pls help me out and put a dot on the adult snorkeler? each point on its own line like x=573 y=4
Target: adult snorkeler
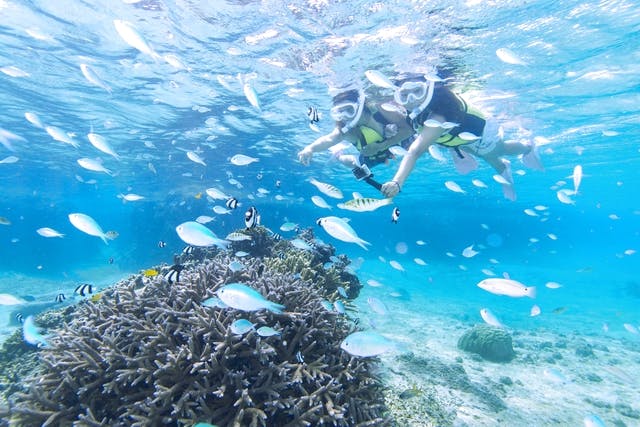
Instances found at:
x=371 y=130
x=439 y=116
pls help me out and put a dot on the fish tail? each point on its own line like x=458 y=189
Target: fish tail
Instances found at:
x=104 y=239
x=362 y=244
x=275 y=308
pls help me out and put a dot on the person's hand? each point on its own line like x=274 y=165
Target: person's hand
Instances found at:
x=390 y=189
x=304 y=156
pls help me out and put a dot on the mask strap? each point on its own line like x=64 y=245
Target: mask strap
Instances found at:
x=416 y=112
x=346 y=128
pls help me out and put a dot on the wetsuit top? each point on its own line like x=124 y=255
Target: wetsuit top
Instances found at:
x=454 y=109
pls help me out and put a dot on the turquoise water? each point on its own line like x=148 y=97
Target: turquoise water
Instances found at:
x=576 y=90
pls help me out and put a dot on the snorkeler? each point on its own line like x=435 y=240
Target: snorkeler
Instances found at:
x=438 y=116
x=370 y=129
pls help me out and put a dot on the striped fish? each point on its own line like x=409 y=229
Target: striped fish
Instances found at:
x=327 y=189
x=364 y=204
x=237 y=237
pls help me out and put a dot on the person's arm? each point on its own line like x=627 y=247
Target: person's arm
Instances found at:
x=426 y=138
x=320 y=144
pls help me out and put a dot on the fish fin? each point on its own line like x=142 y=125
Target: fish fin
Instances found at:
x=104 y=239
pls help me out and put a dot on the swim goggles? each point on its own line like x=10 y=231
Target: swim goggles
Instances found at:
x=413 y=91
x=348 y=112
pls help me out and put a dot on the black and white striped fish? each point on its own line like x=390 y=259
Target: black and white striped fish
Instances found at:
x=251 y=217
x=60 y=297
x=83 y=289
x=188 y=250
x=173 y=275
x=232 y=203
x=162 y=244
x=19 y=318
x=395 y=214
x=314 y=116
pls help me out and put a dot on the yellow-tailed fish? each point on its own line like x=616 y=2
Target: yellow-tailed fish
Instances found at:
x=150 y=272
x=364 y=204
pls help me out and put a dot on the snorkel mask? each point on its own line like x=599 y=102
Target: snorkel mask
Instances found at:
x=411 y=91
x=348 y=111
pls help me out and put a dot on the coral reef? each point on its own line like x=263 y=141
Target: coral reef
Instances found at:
x=491 y=343
x=149 y=353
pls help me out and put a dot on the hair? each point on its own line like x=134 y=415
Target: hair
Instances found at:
x=348 y=95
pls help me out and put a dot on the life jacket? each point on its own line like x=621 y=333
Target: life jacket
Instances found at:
x=472 y=121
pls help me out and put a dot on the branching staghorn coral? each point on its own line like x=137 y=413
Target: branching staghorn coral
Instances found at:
x=152 y=354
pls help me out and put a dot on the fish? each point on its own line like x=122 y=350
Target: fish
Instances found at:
x=267 y=331
x=490 y=318
x=555 y=376
x=320 y=202
x=468 y=136
x=9 y=160
x=327 y=189
x=339 y=229
x=366 y=344
x=242 y=160
x=395 y=214
x=196 y=234
x=419 y=261
x=453 y=186
x=535 y=311
x=236 y=266
x=508 y=287
x=99 y=142
x=237 y=237
x=92 y=77
x=378 y=79
x=194 y=157
x=251 y=217
x=559 y=310
x=478 y=183
x=48 y=232
x=150 y=272
x=216 y=194
x=87 y=225
x=130 y=197
x=8 y=299
x=19 y=318
x=231 y=203
x=564 y=196
x=94 y=165
x=435 y=152
x=553 y=285
x=398 y=151
x=630 y=328
x=241 y=254
x=251 y=95
x=469 y=252
x=130 y=35
x=221 y=210
x=339 y=307
x=204 y=219
x=289 y=226
x=161 y=243
x=342 y=291
x=507 y=56
x=395 y=264
x=242 y=297
x=96 y=297
x=111 y=235
x=31 y=333
x=60 y=136
x=410 y=392
x=312 y=113
x=364 y=204
x=33 y=119
x=278 y=183
x=577 y=178
x=60 y=298
x=301 y=244
x=83 y=289
x=241 y=326
x=377 y=306
x=530 y=212
x=173 y=275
